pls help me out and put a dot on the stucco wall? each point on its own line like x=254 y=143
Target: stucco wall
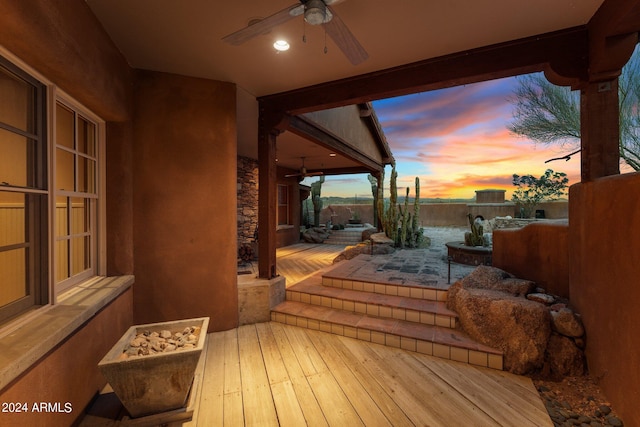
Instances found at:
x=185 y=200
x=119 y=195
x=70 y=372
x=604 y=239
x=66 y=44
x=538 y=252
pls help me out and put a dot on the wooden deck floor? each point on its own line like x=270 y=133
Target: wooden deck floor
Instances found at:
x=270 y=374
x=296 y=262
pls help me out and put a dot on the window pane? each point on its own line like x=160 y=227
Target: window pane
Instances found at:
x=62 y=260
x=12 y=219
x=80 y=254
x=62 y=217
x=17 y=106
x=86 y=137
x=64 y=127
x=282 y=194
x=13 y=285
x=17 y=161
x=79 y=215
x=64 y=170
x=86 y=175
x=23 y=215
x=283 y=213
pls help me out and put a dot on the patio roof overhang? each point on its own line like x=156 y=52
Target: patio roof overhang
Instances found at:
x=588 y=57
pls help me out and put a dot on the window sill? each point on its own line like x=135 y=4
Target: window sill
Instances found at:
x=284 y=227
x=48 y=327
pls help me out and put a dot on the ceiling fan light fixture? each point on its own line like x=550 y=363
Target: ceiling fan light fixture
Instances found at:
x=316 y=13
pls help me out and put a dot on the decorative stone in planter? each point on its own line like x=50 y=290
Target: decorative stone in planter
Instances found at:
x=154 y=383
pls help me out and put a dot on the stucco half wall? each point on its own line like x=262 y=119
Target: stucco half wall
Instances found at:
x=538 y=252
x=604 y=238
x=68 y=376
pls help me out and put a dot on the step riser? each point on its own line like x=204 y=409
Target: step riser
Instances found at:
x=443 y=351
x=372 y=309
x=429 y=294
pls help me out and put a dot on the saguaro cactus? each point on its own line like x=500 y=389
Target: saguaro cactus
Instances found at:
x=391 y=214
x=374 y=191
x=316 y=187
x=398 y=223
x=405 y=218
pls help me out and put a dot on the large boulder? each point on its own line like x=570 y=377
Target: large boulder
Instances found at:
x=518 y=327
x=504 y=312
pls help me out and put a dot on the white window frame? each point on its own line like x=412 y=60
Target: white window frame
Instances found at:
x=98 y=250
x=54 y=95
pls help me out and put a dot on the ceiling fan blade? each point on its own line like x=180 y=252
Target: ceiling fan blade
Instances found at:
x=263 y=26
x=345 y=40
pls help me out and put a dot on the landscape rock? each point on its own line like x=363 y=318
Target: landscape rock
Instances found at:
x=542 y=298
x=380 y=239
x=150 y=343
x=382 y=249
x=514 y=325
x=315 y=235
x=567 y=323
x=351 y=252
x=366 y=234
x=563 y=358
x=485 y=277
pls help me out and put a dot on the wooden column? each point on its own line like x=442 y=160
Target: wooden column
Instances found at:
x=267 y=201
x=600 y=130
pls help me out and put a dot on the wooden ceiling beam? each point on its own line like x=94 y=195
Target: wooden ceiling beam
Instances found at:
x=565 y=52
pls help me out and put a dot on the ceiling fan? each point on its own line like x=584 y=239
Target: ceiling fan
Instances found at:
x=316 y=12
x=302 y=172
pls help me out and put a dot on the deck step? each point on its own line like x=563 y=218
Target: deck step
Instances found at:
x=436 y=341
x=428 y=312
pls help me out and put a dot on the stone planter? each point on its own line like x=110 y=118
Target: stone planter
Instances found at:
x=153 y=383
x=469 y=255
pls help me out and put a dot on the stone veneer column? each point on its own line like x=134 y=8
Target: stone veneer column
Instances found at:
x=247 y=199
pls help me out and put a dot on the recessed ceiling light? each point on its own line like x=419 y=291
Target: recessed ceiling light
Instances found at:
x=281 y=45
x=332 y=154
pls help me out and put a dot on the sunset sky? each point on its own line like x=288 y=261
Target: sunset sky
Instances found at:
x=457 y=142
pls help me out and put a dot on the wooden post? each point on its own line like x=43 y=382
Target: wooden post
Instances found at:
x=600 y=129
x=267 y=200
